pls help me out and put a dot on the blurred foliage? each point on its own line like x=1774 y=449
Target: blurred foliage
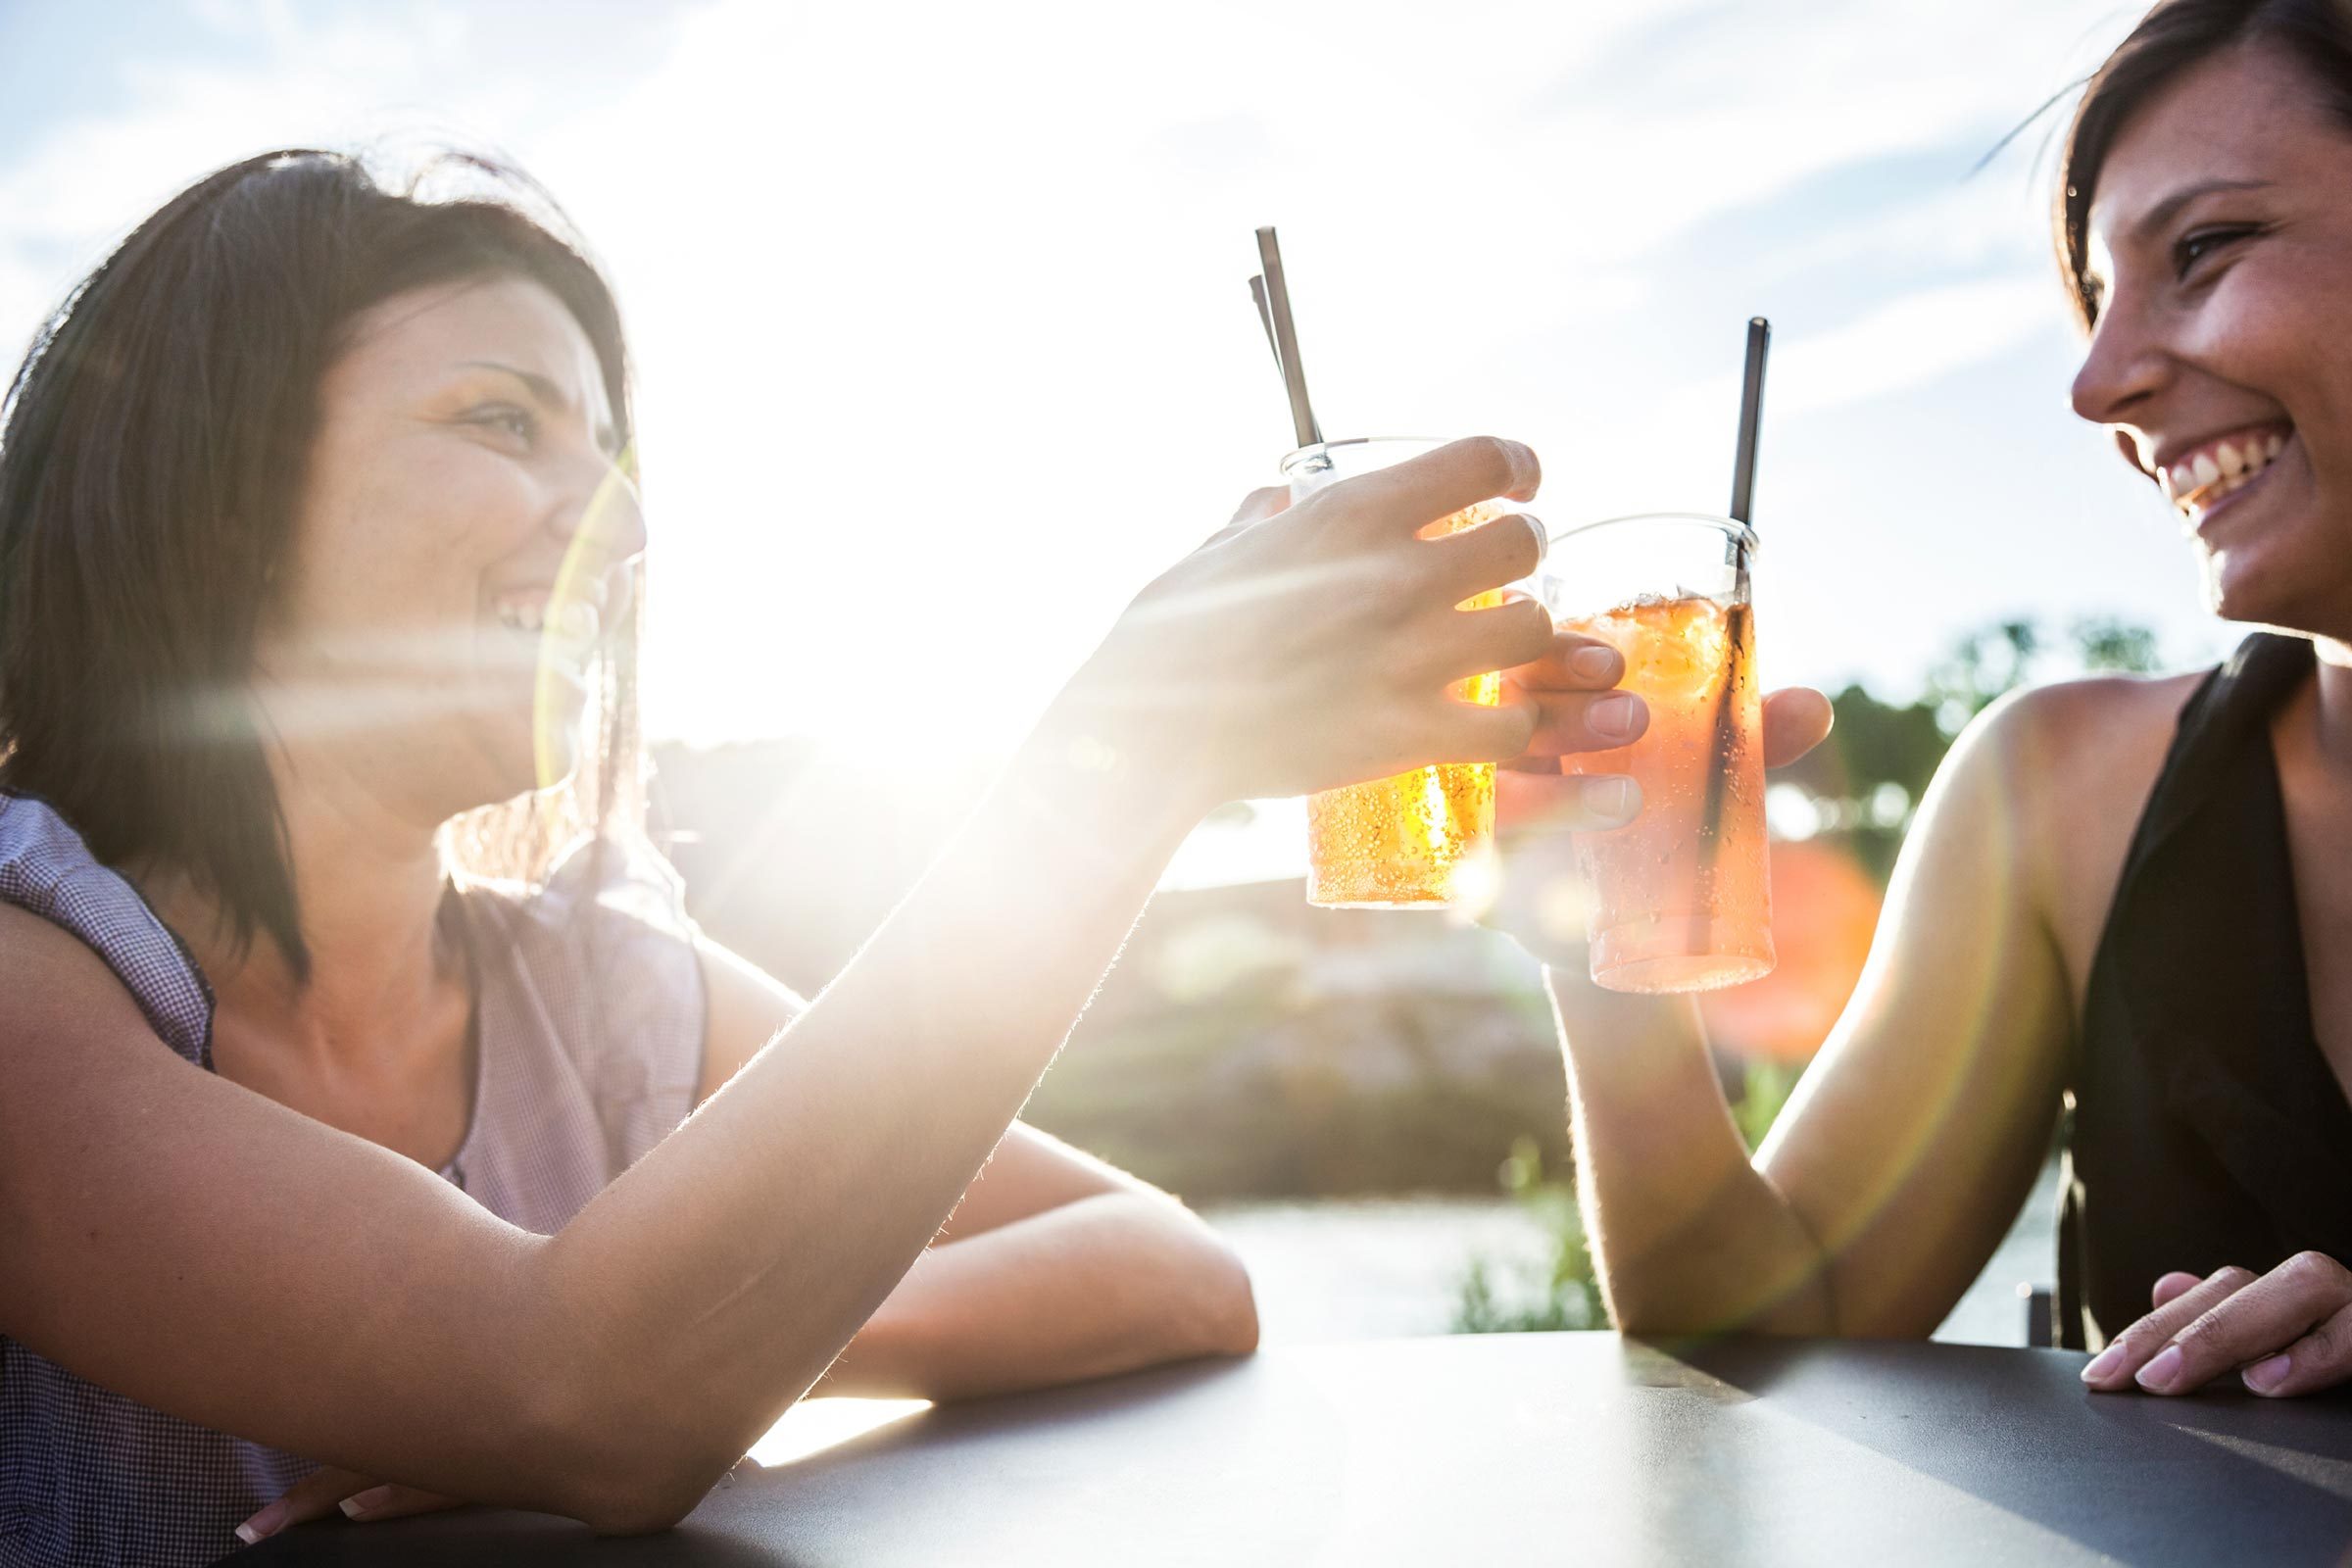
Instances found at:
x=1496 y=1298
x=1867 y=782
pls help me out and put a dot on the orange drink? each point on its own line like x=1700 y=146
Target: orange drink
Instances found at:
x=1678 y=895
x=1401 y=843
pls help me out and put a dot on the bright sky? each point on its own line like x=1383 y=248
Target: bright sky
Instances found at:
x=940 y=311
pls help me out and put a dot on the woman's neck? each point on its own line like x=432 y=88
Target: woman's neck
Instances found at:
x=368 y=884
x=2333 y=712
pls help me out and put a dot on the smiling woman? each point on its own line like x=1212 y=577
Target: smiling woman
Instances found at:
x=2124 y=914
x=349 y=1018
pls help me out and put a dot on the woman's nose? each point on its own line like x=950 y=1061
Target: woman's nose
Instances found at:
x=607 y=518
x=2125 y=370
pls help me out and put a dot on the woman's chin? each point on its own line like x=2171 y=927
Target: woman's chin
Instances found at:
x=2304 y=601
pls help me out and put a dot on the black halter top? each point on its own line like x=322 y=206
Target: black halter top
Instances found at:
x=2206 y=1127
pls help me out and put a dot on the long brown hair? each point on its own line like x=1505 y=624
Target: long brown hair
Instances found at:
x=152 y=448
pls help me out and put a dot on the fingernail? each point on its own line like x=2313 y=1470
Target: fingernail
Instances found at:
x=2104 y=1362
x=1594 y=663
x=2264 y=1375
x=360 y=1504
x=2158 y=1375
x=262 y=1524
x=1542 y=536
x=1614 y=716
x=1611 y=800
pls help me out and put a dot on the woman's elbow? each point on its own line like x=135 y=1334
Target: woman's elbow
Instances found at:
x=1227 y=1312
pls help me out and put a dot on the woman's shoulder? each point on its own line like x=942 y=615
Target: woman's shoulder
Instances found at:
x=2099 y=733
x=49 y=879
x=2074 y=764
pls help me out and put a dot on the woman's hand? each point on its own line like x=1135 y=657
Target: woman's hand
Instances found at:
x=2285 y=1333
x=1312 y=645
x=358 y=1498
x=1542 y=897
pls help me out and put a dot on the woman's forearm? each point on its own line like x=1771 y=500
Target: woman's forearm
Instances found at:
x=1687 y=1236
x=1102 y=1286
x=714 y=1283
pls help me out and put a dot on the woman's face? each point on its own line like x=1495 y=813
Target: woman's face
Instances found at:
x=2221 y=256
x=459 y=545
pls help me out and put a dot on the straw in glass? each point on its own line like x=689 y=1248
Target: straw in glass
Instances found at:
x=1744 y=499
x=1286 y=341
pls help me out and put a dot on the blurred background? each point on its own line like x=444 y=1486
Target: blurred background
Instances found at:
x=946 y=349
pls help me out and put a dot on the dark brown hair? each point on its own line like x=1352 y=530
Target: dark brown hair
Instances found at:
x=2171 y=38
x=151 y=451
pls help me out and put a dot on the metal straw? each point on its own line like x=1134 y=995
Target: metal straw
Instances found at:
x=1286 y=341
x=1751 y=415
x=1265 y=318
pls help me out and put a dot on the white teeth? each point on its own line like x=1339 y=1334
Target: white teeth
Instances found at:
x=2220 y=471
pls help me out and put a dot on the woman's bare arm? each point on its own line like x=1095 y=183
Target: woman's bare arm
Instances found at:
x=199 y=1249
x=1912 y=1138
x=610 y=1372
x=1053 y=1268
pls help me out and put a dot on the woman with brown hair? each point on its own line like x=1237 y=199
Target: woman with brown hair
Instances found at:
x=2126 y=910
x=346 y=1015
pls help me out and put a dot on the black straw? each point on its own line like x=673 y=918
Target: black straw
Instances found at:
x=1286 y=341
x=1736 y=669
x=1751 y=415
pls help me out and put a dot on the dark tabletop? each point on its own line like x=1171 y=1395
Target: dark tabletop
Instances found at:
x=1513 y=1449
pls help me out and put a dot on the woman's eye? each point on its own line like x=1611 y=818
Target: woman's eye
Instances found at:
x=2190 y=249
x=515 y=422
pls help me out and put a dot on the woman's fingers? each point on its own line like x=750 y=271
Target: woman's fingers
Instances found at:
x=329 y=1490
x=1477 y=642
x=1795 y=722
x=1530 y=804
x=2320 y=1360
x=1465 y=732
x=2253 y=1323
x=1479 y=560
x=314 y=1497
x=2169 y=1286
x=394 y=1503
x=1586 y=722
x=1571 y=663
x=2137 y=1346
x=2144 y=1341
x=1409 y=496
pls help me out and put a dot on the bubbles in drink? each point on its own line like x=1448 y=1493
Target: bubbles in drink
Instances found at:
x=1681 y=902
x=1410 y=839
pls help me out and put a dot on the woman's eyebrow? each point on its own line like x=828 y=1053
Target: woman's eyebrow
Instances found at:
x=2161 y=216
x=547 y=393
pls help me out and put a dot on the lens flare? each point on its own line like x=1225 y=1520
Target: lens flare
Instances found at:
x=558 y=716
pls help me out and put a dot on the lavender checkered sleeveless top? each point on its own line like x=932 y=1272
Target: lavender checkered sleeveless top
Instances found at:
x=589 y=1027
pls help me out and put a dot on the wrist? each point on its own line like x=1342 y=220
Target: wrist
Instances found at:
x=1086 y=786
